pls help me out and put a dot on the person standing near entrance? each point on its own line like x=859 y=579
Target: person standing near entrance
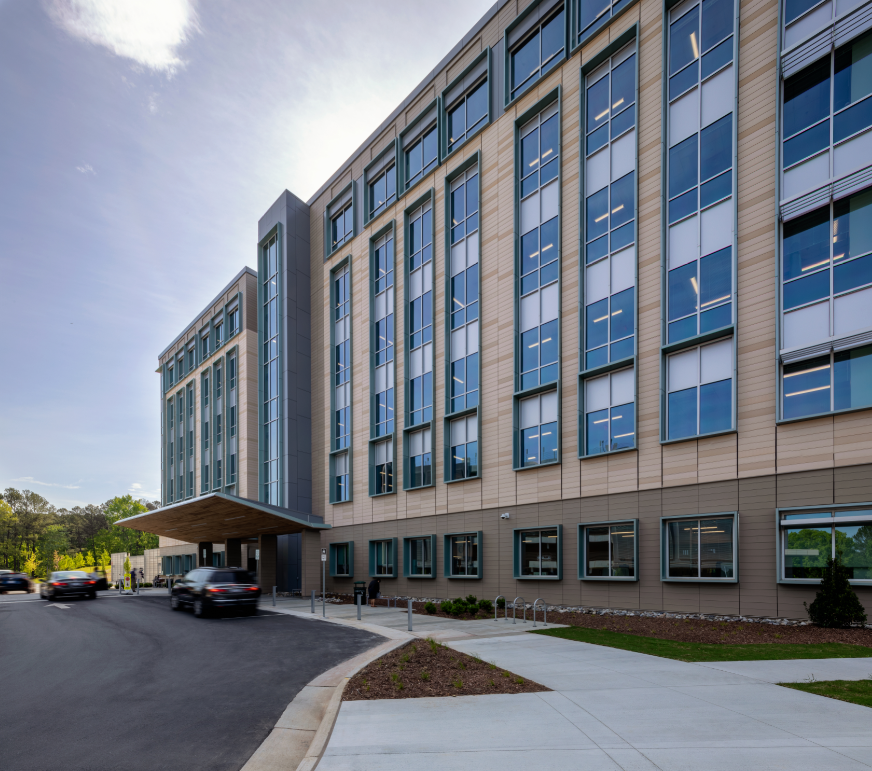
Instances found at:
x=374 y=588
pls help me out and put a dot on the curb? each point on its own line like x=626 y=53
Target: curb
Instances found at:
x=300 y=737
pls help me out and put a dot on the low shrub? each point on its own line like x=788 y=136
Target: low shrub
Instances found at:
x=429 y=607
x=486 y=605
x=836 y=604
x=471 y=599
x=501 y=603
x=447 y=607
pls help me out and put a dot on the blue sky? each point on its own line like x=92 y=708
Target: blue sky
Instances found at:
x=141 y=142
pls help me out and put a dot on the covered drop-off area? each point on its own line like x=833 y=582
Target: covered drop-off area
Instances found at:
x=282 y=546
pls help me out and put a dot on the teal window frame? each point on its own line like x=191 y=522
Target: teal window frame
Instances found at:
x=630 y=35
x=578 y=38
x=340 y=200
x=415 y=129
x=231 y=430
x=380 y=163
x=473 y=75
x=516 y=552
x=582 y=550
x=334 y=451
x=446 y=554
x=389 y=227
x=555 y=95
x=393 y=558
x=333 y=547
x=474 y=160
x=543 y=11
x=407 y=557
x=664 y=549
x=838 y=514
x=190 y=442
x=206 y=402
x=277 y=233
x=428 y=197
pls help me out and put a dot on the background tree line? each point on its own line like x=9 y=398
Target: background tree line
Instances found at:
x=37 y=537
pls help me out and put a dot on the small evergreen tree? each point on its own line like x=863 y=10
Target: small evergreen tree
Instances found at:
x=836 y=604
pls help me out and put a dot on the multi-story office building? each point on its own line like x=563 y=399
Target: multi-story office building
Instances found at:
x=588 y=316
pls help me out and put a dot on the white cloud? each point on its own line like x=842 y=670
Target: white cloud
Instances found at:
x=32 y=481
x=149 y=32
x=86 y=168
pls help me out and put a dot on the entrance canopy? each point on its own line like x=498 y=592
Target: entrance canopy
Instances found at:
x=218 y=516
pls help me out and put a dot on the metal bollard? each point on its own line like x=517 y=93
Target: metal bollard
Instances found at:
x=274 y=595
x=496 y=608
x=358 y=607
x=410 y=614
x=313 y=601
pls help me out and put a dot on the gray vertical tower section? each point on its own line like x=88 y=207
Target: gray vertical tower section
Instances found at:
x=295 y=332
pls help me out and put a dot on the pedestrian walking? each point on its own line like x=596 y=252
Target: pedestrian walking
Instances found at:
x=374 y=590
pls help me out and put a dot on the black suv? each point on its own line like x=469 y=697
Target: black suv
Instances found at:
x=209 y=589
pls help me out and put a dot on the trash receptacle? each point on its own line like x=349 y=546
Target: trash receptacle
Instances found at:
x=360 y=590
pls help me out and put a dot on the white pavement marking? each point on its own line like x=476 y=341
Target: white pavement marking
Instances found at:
x=57 y=605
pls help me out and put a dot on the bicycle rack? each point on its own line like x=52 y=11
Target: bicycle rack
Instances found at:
x=544 y=610
x=496 y=609
x=514 y=607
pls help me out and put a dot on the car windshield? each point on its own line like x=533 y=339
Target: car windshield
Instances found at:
x=230 y=577
x=71 y=574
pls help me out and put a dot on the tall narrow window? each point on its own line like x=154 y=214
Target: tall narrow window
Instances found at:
x=270 y=407
x=699 y=383
x=463 y=298
x=171 y=453
x=171 y=374
x=190 y=443
x=341 y=219
x=384 y=467
x=204 y=347
x=232 y=322
x=421 y=152
x=341 y=489
x=192 y=355
x=420 y=330
x=219 y=334
x=383 y=287
x=610 y=228
x=382 y=187
x=468 y=114
x=539 y=253
x=701 y=207
x=610 y=412
x=420 y=458
x=341 y=298
x=180 y=441
x=463 y=435
x=538 y=416
x=536 y=54
x=231 y=420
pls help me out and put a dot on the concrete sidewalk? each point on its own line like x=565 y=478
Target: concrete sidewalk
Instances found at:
x=612 y=709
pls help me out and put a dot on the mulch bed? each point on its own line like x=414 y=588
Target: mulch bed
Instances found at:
x=428 y=668
x=702 y=631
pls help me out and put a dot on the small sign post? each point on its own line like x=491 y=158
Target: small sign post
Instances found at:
x=323 y=582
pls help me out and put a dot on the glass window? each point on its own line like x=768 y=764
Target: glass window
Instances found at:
x=700 y=390
x=384 y=562
x=538 y=553
x=806 y=548
x=537 y=54
x=463 y=297
x=341 y=226
x=610 y=412
x=270 y=374
x=341 y=561
x=191 y=359
x=233 y=322
x=382 y=190
x=464 y=554
x=342 y=359
x=463 y=436
x=539 y=287
x=420 y=459
x=610 y=551
x=700 y=548
x=468 y=115
x=384 y=467
x=204 y=347
x=421 y=557
x=538 y=420
x=840 y=380
x=219 y=334
x=419 y=362
x=341 y=487
x=422 y=156
x=383 y=330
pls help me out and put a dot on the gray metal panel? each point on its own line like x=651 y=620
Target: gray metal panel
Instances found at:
x=496 y=87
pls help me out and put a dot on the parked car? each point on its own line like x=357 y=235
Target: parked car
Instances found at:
x=15 y=582
x=210 y=589
x=68 y=583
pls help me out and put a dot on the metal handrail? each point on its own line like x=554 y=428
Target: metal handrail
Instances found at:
x=514 y=607
x=544 y=610
x=496 y=609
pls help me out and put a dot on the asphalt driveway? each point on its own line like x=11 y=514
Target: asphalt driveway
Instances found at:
x=126 y=683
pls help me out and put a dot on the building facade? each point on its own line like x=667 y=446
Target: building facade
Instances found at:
x=588 y=317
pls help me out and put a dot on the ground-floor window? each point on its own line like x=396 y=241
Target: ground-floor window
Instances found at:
x=383 y=558
x=463 y=551
x=420 y=557
x=809 y=539
x=341 y=563
x=701 y=548
x=539 y=553
x=610 y=551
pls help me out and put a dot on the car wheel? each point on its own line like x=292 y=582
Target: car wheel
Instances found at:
x=174 y=602
x=199 y=609
x=50 y=597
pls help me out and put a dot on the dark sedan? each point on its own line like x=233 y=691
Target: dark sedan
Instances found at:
x=68 y=583
x=15 y=582
x=209 y=589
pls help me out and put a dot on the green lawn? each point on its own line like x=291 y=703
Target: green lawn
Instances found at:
x=855 y=691
x=685 y=651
